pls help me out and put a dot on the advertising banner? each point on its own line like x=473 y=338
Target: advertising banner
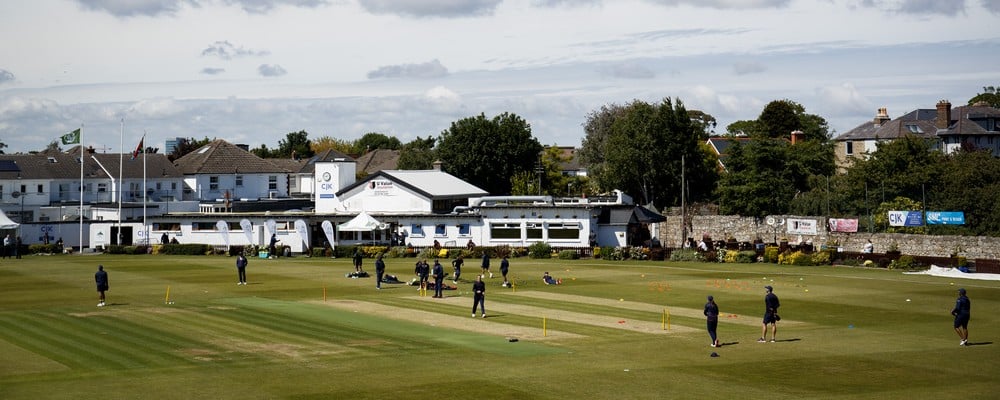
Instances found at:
x=906 y=218
x=223 y=226
x=843 y=225
x=801 y=226
x=945 y=218
x=247 y=228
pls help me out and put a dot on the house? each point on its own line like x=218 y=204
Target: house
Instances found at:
x=223 y=172
x=975 y=127
x=720 y=146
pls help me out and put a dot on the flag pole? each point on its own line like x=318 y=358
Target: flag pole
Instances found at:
x=80 y=213
x=121 y=163
x=145 y=227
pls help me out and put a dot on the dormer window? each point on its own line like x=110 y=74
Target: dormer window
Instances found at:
x=914 y=128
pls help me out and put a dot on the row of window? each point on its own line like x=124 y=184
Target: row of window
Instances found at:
x=213 y=182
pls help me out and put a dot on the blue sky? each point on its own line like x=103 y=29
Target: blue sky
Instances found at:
x=250 y=71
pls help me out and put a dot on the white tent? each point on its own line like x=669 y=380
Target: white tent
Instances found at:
x=362 y=223
x=6 y=223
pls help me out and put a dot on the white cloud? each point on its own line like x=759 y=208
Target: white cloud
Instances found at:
x=843 y=99
x=724 y=4
x=6 y=76
x=430 y=69
x=438 y=8
x=271 y=70
x=155 y=8
x=746 y=68
x=264 y=6
x=628 y=70
x=212 y=71
x=227 y=51
x=992 y=6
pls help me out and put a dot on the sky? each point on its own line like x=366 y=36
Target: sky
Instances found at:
x=251 y=71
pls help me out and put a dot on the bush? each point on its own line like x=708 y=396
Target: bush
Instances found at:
x=569 y=255
x=796 y=258
x=686 y=255
x=728 y=256
x=540 y=250
x=657 y=254
x=607 y=252
x=771 y=254
x=186 y=249
x=638 y=253
x=904 y=262
x=44 y=248
x=821 y=258
x=318 y=252
x=746 y=256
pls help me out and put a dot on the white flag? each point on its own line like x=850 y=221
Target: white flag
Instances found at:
x=303 y=230
x=247 y=229
x=223 y=226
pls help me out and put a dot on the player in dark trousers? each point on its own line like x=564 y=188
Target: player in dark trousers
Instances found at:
x=101 y=278
x=457 y=265
x=438 y=273
x=422 y=270
x=357 y=259
x=379 y=271
x=712 y=317
x=479 y=296
x=771 y=317
x=241 y=269
x=504 y=267
x=486 y=264
x=962 y=313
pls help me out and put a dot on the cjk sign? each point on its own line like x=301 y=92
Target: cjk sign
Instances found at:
x=906 y=218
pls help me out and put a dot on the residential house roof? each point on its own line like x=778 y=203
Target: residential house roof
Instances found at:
x=721 y=145
x=973 y=120
x=54 y=165
x=918 y=122
x=222 y=157
x=378 y=160
x=308 y=165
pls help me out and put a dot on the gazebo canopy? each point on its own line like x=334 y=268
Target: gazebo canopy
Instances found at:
x=362 y=223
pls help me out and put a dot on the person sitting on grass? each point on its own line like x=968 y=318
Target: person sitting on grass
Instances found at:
x=549 y=280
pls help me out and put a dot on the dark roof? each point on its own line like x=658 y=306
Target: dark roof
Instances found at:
x=973 y=120
x=378 y=160
x=917 y=122
x=222 y=157
x=624 y=215
x=722 y=144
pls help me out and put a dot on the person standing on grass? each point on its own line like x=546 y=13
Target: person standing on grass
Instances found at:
x=479 y=296
x=712 y=316
x=422 y=270
x=771 y=317
x=486 y=264
x=241 y=269
x=358 y=258
x=438 y=273
x=101 y=278
x=379 y=271
x=457 y=265
x=504 y=267
x=962 y=313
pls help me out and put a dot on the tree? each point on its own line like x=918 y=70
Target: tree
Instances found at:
x=488 y=152
x=294 y=145
x=990 y=96
x=418 y=154
x=188 y=145
x=325 y=143
x=52 y=147
x=374 y=141
x=705 y=123
x=640 y=147
x=757 y=183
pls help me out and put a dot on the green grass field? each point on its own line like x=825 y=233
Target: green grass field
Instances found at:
x=605 y=333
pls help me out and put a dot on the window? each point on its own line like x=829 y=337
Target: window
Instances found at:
x=167 y=226
x=159 y=186
x=40 y=189
x=850 y=148
x=272 y=182
x=239 y=180
x=293 y=184
x=534 y=230
x=203 y=226
x=463 y=230
x=213 y=183
x=568 y=231
x=505 y=231
x=173 y=185
x=439 y=230
x=417 y=230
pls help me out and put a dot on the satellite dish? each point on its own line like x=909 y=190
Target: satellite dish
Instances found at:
x=15 y=194
x=770 y=221
x=383 y=226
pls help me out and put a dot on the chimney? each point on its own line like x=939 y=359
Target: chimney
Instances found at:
x=943 y=115
x=437 y=165
x=882 y=117
x=798 y=136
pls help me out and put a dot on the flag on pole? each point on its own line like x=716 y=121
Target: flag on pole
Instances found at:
x=71 y=138
x=138 y=149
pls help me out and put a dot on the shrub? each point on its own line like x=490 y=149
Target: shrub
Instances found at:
x=318 y=252
x=372 y=251
x=746 y=256
x=821 y=258
x=686 y=255
x=771 y=254
x=638 y=253
x=44 y=248
x=796 y=258
x=397 y=252
x=657 y=254
x=540 y=250
x=607 y=253
x=186 y=249
x=569 y=255
x=729 y=256
x=428 y=253
x=904 y=262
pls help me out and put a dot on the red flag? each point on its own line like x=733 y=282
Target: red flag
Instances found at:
x=138 y=149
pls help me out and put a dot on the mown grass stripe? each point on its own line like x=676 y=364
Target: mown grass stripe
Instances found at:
x=127 y=353
x=158 y=346
x=76 y=343
x=24 y=336
x=214 y=335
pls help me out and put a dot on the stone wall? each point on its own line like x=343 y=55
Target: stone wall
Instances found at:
x=747 y=229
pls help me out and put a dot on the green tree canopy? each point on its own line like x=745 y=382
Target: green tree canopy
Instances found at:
x=418 y=154
x=488 y=152
x=374 y=141
x=990 y=96
x=638 y=148
x=187 y=145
